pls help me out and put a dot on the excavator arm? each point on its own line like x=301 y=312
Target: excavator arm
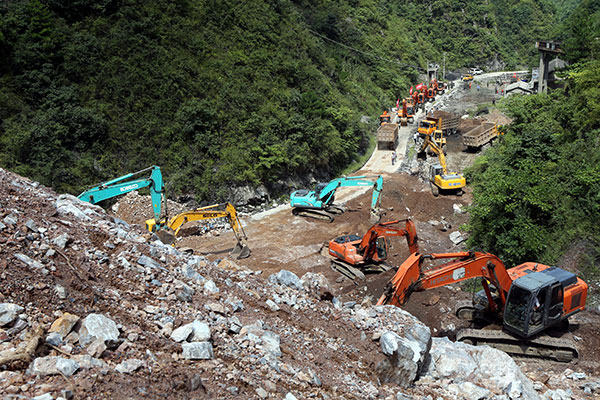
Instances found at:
x=241 y=249
x=411 y=277
x=436 y=149
x=368 y=245
x=327 y=193
x=123 y=185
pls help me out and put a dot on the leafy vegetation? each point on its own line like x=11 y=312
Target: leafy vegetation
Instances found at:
x=537 y=194
x=222 y=93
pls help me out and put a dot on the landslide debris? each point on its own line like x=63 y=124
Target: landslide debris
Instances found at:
x=96 y=308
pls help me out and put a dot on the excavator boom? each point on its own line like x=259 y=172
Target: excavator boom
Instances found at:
x=353 y=255
x=225 y=210
x=123 y=184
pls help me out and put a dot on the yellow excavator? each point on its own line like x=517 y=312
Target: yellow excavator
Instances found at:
x=224 y=210
x=440 y=179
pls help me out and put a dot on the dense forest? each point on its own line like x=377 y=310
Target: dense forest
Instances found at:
x=222 y=93
x=537 y=194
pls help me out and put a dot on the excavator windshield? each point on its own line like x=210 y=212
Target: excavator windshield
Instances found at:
x=517 y=309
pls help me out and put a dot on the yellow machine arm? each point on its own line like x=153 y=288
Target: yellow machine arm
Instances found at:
x=241 y=250
x=436 y=149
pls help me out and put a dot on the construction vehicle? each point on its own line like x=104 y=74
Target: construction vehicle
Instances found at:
x=354 y=256
x=446 y=122
x=467 y=78
x=318 y=203
x=124 y=184
x=443 y=121
x=528 y=299
x=440 y=180
x=225 y=210
x=479 y=135
x=385 y=118
x=410 y=109
x=387 y=136
x=403 y=113
x=430 y=93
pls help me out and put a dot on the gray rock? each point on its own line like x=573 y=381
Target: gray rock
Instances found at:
x=290 y=396
x=61 y=240
x=406 y=347
x=286 y=278
x=197 y=351
x=458 y=209
x=148 y=262
x=31 y=263
x=189 y=272
x=182 y=333
x=271 y=304
x=2 y=226
x=456 y=237
x=469 y=391
x=86 y=361
x=30 y=224
x=129 y=366
x=54 y=338
x=97 y=326
x=557 y=394
x=96 y=348
x=52 y=365
x=9 y=312
x=577 y=376
x=65 y=204
x=201 y=331
x=459 y=362
x=196 y=331
x=270 y=344
x=210 y=287
x=262 y=393
x=61 y=292
x=184 y=293
x=11 y=219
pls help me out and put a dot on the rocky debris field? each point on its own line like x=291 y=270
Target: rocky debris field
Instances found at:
x=92 y=307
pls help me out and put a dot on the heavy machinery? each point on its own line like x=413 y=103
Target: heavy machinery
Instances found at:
x=225 y=210
x=353 y=256
x=528 y=299
x=385 y=118
x=440 y=180
x=430 y=93
x=403 y=113
x=124 y=184
x=318 y=203
x=410 y=110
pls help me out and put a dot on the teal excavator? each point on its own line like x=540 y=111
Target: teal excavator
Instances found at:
x=127 y=183
x=318 y=203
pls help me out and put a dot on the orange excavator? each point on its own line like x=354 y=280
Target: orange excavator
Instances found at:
x=385 y=118
x=403 y=113
x=529 y=299
x=410 y=110
x=353 y=256
x=430 y=93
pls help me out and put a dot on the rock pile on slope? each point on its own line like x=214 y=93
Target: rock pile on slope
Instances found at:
x=91 y=307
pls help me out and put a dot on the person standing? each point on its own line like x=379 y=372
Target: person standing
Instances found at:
x=393 y=157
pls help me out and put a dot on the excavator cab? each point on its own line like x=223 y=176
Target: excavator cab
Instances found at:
x=385 y=118
x=381 y=247
x=535 y=302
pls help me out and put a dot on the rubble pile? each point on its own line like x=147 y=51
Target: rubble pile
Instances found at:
x=91 y=307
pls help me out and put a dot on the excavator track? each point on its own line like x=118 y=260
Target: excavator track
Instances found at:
x=562 y=350
x=323 y=215
x=347 y=270
x=353 y=272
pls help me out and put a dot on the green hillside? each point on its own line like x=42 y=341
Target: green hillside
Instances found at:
x=223 y=93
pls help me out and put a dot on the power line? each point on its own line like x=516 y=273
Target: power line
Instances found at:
x=364 y=52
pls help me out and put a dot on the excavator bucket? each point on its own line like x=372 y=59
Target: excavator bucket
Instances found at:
x=165 y=236
x=240 y=251
x=403 y=121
